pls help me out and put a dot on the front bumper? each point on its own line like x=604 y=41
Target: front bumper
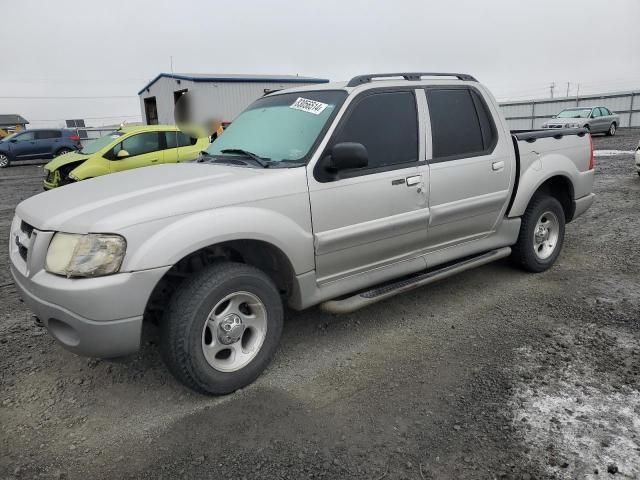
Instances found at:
x=96 y=317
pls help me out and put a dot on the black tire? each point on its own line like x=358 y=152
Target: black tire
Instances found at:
x=612 y=130
x=62 y=151
x=523 y=254
x=5 y=160
x=184 y=320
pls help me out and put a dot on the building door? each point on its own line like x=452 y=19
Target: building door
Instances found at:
x=151 y=110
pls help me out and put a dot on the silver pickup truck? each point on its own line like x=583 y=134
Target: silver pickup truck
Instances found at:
x=338 y=195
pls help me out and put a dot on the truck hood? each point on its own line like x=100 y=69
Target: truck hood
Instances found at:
x=65 y=159
x=113 y=202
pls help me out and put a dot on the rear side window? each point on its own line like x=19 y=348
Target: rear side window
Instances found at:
x=387 y=125
x=179 y=139
x=47 y=134
x=461 y=125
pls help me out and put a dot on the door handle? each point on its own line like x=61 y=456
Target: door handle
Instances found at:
x=497 y=165
x=415 y=180
x=154 y=160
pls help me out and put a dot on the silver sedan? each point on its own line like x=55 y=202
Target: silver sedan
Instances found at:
x=595 y=119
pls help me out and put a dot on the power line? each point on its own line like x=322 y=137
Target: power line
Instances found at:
x=25 y=97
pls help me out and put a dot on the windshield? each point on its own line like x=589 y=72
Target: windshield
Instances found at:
x=575 y=113
x=100 y=143
x=280 y=127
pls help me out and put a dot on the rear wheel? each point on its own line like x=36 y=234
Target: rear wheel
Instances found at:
x=62 y=151
x=222 y=328
x=4 y=160
x=541 y=235
x=612 y=130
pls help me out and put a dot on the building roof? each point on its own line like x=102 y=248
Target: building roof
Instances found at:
x=240 y=78
x=11 y=119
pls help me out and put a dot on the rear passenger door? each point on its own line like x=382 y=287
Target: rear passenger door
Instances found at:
x=470 y=167
x=597 y=121
x=48 y=141
x=144 y=149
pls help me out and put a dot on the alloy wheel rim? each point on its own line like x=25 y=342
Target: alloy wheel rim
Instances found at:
x=234 y=331
x=4 y=161
x=545 y=235
x=612 y=129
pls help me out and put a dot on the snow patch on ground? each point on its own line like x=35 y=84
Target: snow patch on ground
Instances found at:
x=575 y=417
x=611 y=153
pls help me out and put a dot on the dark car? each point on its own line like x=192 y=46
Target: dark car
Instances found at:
x=38 y=143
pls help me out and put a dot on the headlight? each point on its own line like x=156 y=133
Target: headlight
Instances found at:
x=90 y=255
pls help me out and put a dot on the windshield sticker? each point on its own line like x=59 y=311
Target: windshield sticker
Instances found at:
x=310 y=106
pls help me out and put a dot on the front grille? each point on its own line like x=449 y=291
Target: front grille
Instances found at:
x=26 y=228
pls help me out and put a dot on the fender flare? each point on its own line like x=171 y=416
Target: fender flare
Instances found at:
x=550 y=166
x=187 y=234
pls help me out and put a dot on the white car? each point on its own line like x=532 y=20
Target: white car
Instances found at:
x=638 y=158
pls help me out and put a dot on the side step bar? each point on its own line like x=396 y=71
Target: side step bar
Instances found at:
x=376 y=294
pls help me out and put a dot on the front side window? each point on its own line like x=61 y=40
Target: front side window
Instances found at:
x=280 y=127
x=455 y=126
x=596 y=113
x=386 y=124
x=139 y=144
x=25 y=137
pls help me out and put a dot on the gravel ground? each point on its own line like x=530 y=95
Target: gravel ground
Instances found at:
x=494 y=373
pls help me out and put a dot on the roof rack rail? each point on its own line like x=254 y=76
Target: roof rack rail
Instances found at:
x=412 y=76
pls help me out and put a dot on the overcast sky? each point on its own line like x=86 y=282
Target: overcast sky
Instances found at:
x=111 y=48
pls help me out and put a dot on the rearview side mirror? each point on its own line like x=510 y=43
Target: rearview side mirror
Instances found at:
x=13 y=140
x=122 y=154
x=347 y=155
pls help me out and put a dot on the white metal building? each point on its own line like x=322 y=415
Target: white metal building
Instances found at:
x=225 y=95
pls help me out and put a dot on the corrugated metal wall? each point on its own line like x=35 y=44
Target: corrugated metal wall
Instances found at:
x=533 y=113
x=226 y=99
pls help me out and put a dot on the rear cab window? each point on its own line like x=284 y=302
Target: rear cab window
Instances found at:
x=461 y=124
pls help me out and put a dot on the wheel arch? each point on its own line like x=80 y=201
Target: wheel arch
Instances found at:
x=558 y=186
x=258 y=253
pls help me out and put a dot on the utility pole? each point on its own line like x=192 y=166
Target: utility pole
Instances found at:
x=171 y=62
x=568 y=89
x=578 y=95
x=551 y=87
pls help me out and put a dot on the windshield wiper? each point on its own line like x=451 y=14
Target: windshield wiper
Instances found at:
x=263 y=162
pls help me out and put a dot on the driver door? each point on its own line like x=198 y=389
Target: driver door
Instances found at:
x=371 y=217
x=24 y=145
x=144 y=149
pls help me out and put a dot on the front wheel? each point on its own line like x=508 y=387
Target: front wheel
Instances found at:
x=4 y=160
x=222 y=328
x=541 y=235
x=612 y=130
